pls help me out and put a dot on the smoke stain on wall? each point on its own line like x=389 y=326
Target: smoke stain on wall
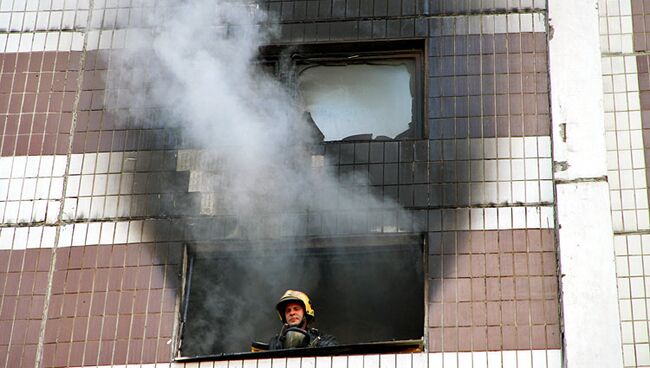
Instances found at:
x=192 y=67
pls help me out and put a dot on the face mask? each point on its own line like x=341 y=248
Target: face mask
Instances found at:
x=295 y=337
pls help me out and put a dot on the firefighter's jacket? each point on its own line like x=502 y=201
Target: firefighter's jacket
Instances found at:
x=316 y=340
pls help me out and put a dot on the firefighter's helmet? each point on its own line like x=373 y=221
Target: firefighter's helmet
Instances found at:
x=295 y=296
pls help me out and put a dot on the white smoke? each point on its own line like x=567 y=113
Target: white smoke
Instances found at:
x=197 y=62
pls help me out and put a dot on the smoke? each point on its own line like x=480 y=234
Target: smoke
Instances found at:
x=193 y=66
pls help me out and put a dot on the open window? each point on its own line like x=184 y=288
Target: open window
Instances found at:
x=358 y=91
x=366 y=291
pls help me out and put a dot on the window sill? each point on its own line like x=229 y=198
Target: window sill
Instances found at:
x=383 y=347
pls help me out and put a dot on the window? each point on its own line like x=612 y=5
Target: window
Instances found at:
x=363 y=289
x=359 y=91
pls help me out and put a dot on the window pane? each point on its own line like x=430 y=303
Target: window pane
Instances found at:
x=360 y=293
x=359 y=101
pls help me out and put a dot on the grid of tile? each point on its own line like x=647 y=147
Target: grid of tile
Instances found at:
x=294 y=11
x=486 y=166
x=493 y=290
x=633 y=272
x=627 y=95
x=625 y=147
x=112 y=305
x=36 y=98
x=23 y=282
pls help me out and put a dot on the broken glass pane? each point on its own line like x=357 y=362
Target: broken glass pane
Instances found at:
x=359 y=101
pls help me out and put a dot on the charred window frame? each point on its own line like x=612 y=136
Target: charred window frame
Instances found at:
x=368 y=291
x=290 y=62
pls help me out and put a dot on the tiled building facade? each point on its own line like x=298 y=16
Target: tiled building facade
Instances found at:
x=94 y=213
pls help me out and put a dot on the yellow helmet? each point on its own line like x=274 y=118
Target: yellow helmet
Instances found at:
x=295 y=296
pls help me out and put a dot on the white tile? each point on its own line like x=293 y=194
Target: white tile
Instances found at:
x=503 y=170
x=637 y=289
x=490 y=192
x=629 y=358
x=278 y=363
x=629 y=220
x=532 y=168
x=518 y=191
x=34 y=237
x=25 y=212
x=324 y=362
x=465 y=359
x=516 y=147
x=509 y=359
x=6 y=237
x=490 y=170
x=635 y=264
x=18 y=167
x=371 y=361
x=435 y=360
x=625 y=179
x=504 y=190
x=450 y=360
x=494 y=359
x=554 y=358
x=643 y=354
x=29 y=189
x=48 y=238
x=620 y=245
x=545 y=169
x=638 y=178
x=235 y=364
x=53 y=211
x=641 y=198
x=79 y=234
x=83 y=208
x=11 y=212
x=524 y=359
x=532 y=191
x=491 y=219
x=640 y=332
x=355 y=361
x=65 y=235
x=533 y=217
x=387 y=361
x=76 y=162
x=530 y=147
x=628 y=199
x=477 y=219
x=250 y=364
x=339 y=362
x=622 y=268
x=633 y=243
x=625 y=308
x=546 y=191
x=505 y=218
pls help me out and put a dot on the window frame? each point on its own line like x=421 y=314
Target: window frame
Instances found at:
x=370 y=240
x=285 y=59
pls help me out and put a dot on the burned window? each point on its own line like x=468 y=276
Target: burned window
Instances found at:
x=358 y=92
x=363 y=290
x=359 y=101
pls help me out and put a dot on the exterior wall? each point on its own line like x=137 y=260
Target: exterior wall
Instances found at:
x=94 y=212
x=623 y=44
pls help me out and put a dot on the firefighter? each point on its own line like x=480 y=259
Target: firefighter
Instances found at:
x=296 y=313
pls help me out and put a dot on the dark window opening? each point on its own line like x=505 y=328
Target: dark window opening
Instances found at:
x=364 y=290
x=357 y=91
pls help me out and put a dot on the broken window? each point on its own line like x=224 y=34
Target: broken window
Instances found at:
x=363 y=290
x=358 y=92
x=359 y=101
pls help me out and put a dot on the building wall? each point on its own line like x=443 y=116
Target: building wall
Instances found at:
x=95 y=211
x=625 y=64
